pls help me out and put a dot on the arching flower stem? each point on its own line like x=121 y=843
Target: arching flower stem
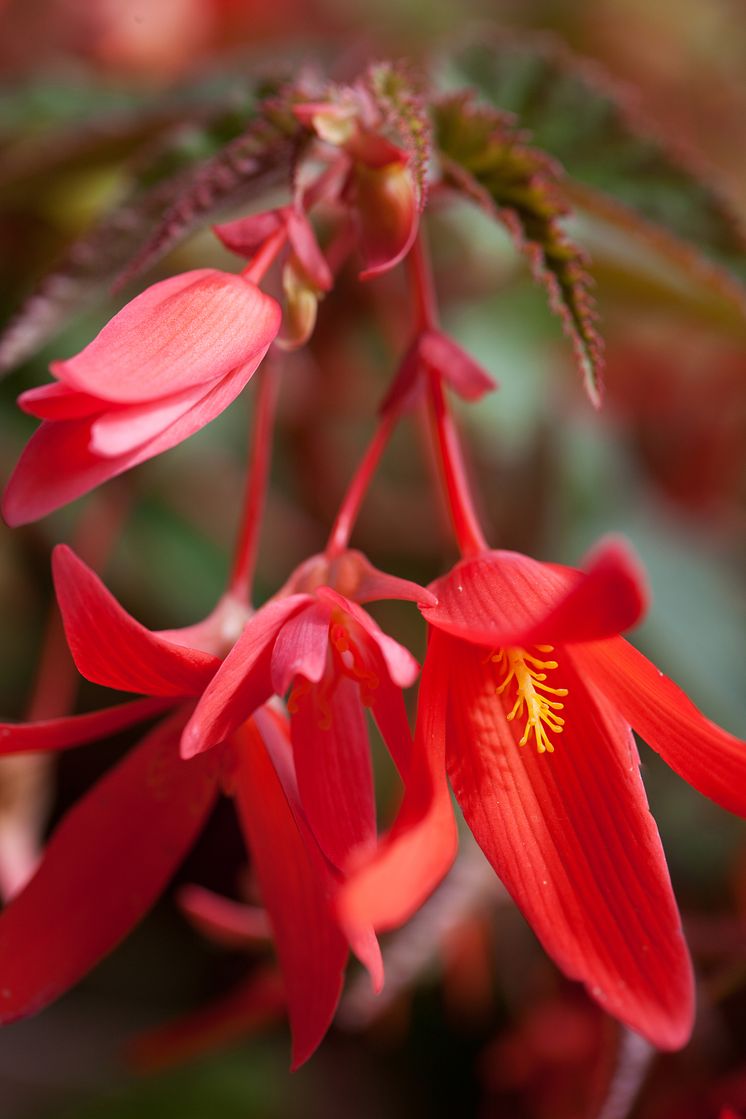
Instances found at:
x=348 y=511
x=263 y=421
x=466 y=525
x=258 y=266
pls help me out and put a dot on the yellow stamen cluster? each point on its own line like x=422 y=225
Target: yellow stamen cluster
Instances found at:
x=532 y=694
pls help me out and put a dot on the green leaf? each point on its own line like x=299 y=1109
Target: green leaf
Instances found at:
x=488 y=159
x=404 y=110
x=620 y=169
x=188 y=176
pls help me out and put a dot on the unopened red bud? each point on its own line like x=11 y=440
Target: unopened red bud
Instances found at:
x=386 y=199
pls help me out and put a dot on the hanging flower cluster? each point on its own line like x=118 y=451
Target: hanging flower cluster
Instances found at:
x=528 y=694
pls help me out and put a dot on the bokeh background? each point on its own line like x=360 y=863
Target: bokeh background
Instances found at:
x=477 y=1021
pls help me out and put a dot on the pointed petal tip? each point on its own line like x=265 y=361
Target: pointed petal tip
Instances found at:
x=11 y=515
x=373 y=963
x=62 y=555
x=669 y=1028
x=300 y=1053
x=191 y=743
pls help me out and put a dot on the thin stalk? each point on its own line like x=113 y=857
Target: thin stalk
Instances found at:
x=466 y=525
x=465 y=522
x=426 y=304
x=259 y=264
x=263 y=421
x=348 y=511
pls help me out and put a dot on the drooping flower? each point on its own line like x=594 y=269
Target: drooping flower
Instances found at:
x=169 y=362
x=116 y=849
x=528 y=698
x=335 y=660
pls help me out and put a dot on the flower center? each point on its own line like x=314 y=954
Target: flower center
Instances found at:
x=350 y=662
x=343 y=659
x=532 y=701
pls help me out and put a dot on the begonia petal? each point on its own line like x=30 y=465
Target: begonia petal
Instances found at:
x=178 y=333
x=120 y=430
x=335 y=778
x=109 y=647
x=57 y=465
x=387 y=213
x=390 y=714
x=401 y=666
x=504 y=599
x=461 y=372
x=224 y=921
x=243 y=681
x=570 y=835
x=103 y=868
x=421 y=846
x=307 y=251
x=218 y=632
x=247 y=235
x=75 y=730
x=706 y=756
x=295 y=888
x=301 y=647
x=56 y=401
x=351 y=575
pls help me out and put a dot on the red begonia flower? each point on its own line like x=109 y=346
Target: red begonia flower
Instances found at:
x=166 y=364
x=336 y=661
x=321 y=644
x=528 y=698
x=256 y=765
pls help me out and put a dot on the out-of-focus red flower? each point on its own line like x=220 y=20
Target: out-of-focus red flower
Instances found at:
x=168 y=363
x=528 y=697
x=681 y=396
x=549 y=1059
x=155 y=40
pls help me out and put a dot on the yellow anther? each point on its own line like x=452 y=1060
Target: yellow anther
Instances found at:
x=532 y=694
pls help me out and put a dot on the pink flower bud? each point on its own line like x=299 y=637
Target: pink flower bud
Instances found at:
x=167 y=364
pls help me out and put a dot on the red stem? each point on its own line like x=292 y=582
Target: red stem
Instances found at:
x=348 y=511
x=466 y=525
x=256 y=268
x=426 y=304
x=244 y=562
